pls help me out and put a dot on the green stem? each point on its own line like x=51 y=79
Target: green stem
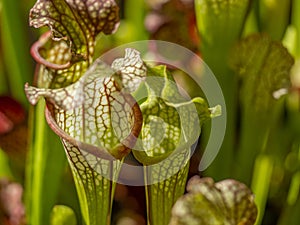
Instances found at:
x=163 y=187
x=95 y=184
x=224 y=19
x=44 y=168
x=261 y=183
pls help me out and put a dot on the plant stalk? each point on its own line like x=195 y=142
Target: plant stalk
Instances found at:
x=45 y=164
x=95 y=184
x=164 y=184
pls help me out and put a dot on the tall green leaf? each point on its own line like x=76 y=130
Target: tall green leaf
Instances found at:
x=171 y=124
x=220 y=24
x=98 y=122
x=263 y=67
x=63 y=56
x=45 y=165
x=274 y=17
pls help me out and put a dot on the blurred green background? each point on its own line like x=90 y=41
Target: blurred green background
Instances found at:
x=32 y=156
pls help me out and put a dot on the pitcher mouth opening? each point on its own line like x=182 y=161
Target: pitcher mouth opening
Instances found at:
x=177 y=58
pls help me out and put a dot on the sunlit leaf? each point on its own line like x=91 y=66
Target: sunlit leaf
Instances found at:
x=132 y=68
x=74 y=26
x=227 y=202
x=76 y=21
x=98 y=121
x=171 y=124
x=63 y=56
x=95 y=111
